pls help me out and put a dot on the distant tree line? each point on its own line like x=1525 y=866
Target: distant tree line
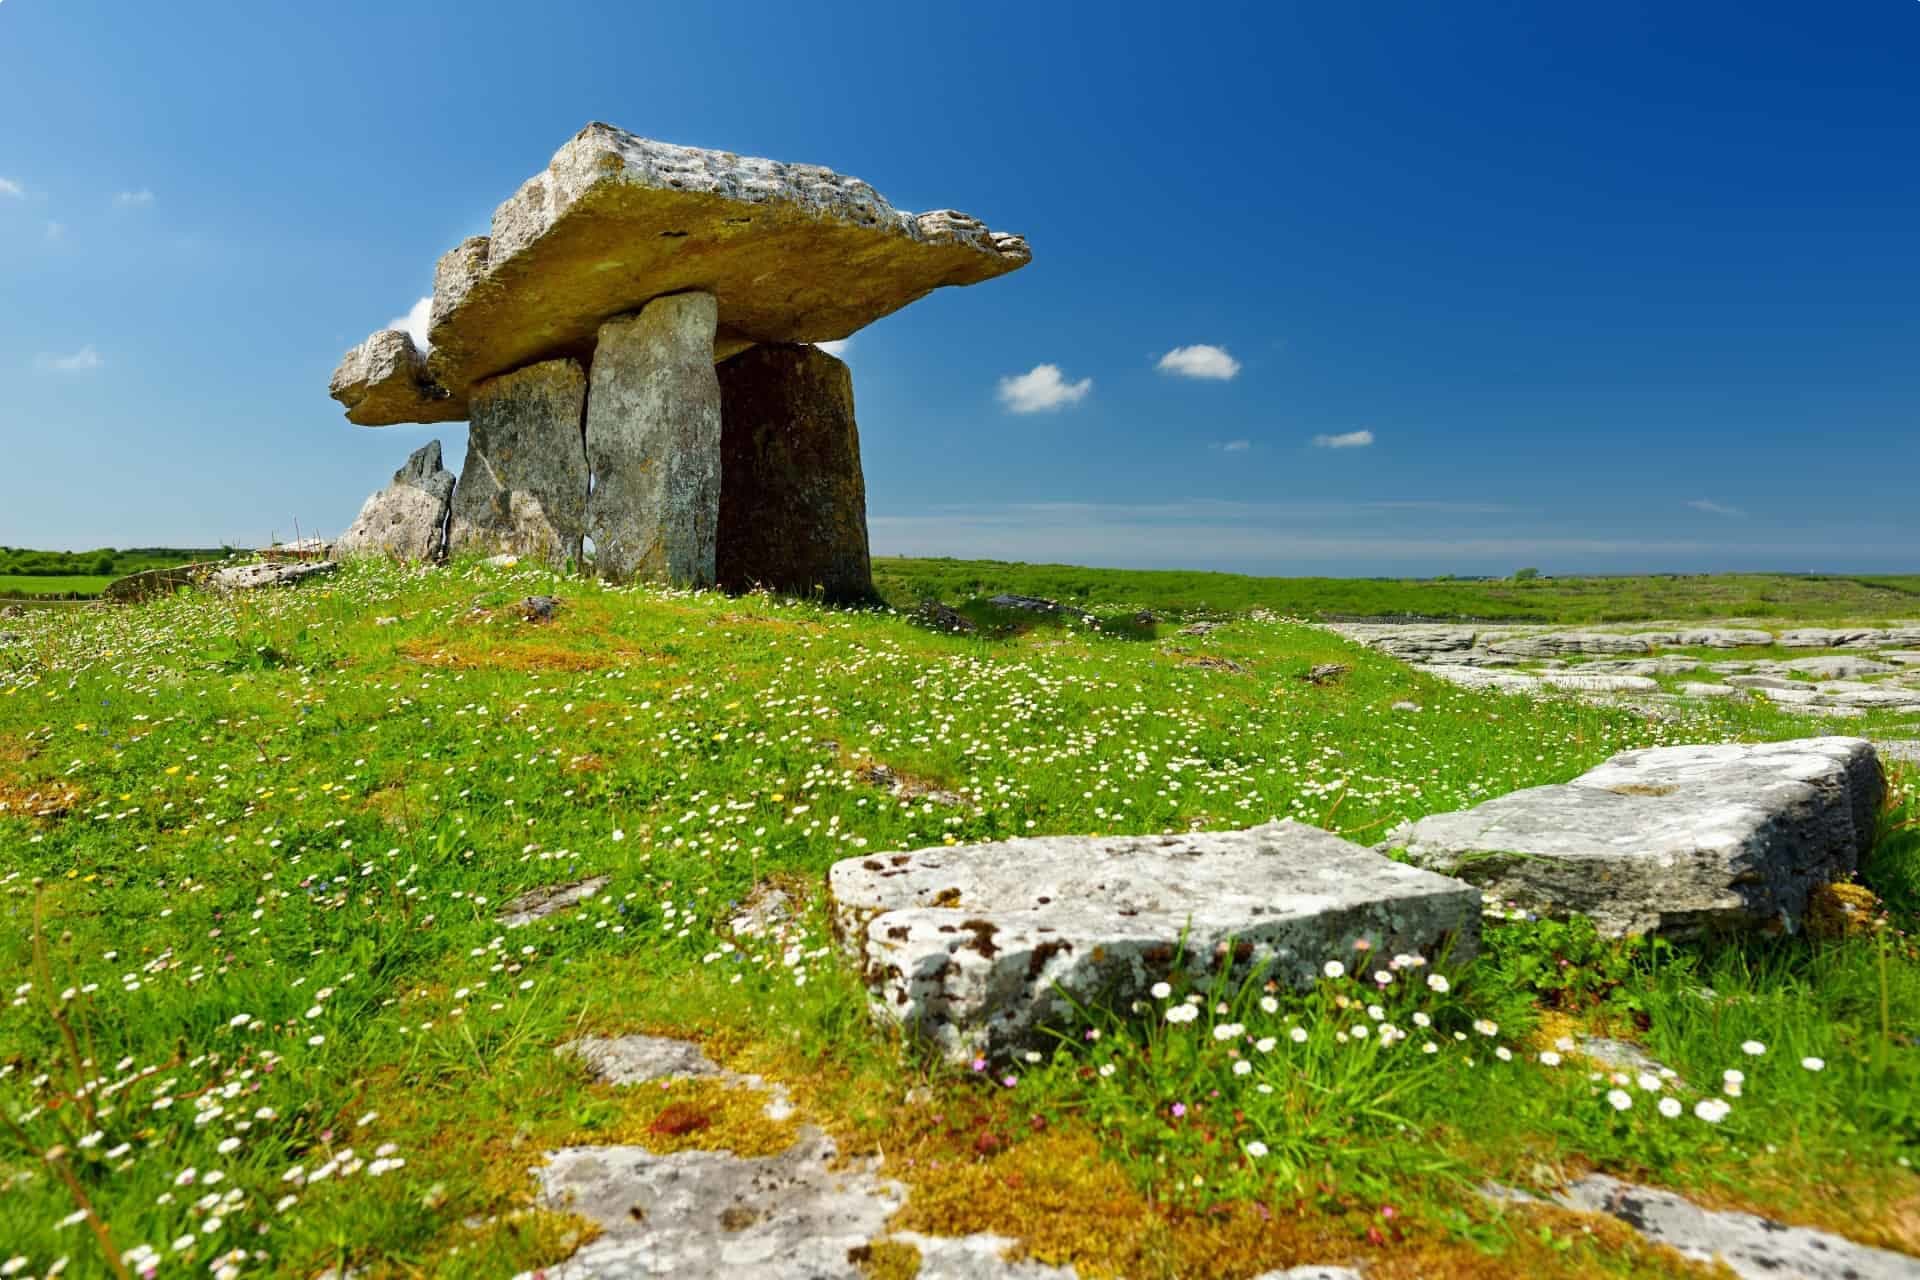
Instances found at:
x=100 y=562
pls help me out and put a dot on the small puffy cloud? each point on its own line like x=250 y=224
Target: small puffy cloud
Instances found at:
x=8 y=187
x=838 y=347
x=133 y=199
x=1345 y=440
x=1201 y=360
x=1042 y=390
x=82 y=361
x=1713 y=508
x=415 y=322
x=1234 y=446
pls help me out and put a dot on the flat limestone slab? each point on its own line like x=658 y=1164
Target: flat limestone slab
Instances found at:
x=967 y=945
x=794 y=252
x=1670 y=839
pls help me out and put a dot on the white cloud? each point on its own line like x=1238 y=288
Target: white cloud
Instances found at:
x=838 y=347
x=81 y=361
x=8 y=187
x=1042 y=390
x=1201 y=360
x=133 y=199
x=1234 y=446
x=1713 y=508
x=1345 y=440
x=415 y=322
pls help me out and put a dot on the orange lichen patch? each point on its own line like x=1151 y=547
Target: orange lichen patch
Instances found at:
x=14 y=750
x=517 y=1242
x=1775 y=1185
x=686 y=1115
x=44 y=800
x=1840 y=910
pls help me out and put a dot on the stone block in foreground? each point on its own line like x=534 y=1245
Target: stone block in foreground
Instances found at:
x=972 y=946
x=408 y=518
x=1674 y=840
x=793 y=500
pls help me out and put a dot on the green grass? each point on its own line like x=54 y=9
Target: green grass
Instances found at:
x=26 y=573
x=71 y=584
x=1798 y=597
x=253 y=849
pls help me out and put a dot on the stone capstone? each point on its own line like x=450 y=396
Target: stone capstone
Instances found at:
x=385 y=379
x=795 y=253
x=978 y=947
x=408 y=518
x=1674 y=840
x=793 y=501
x=523 y=490
x=252 y=577
x=653 y=443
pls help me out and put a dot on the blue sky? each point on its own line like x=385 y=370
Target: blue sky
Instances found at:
x=1604 y=287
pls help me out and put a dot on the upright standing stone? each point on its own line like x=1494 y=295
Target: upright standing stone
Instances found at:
x=524 y=487
x=793 y=503
x=408 y=518
x=653 y=441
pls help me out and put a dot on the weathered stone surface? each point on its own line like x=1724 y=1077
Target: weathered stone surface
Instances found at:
x=1724 y=637
x=1695 y=689
x=1586 y=682
x=967 y=945
x=408 y=518
x=1670 y=839
x=1752 y=1247
x=251 y=577
x=538 y=904
x=793 y=500
x=795 y=253
x=523 y=490
x=1483 y=677
x=1838 y=667
x=1905 y=750
x=653 y=442
x=1553 y=643
x=385 y=380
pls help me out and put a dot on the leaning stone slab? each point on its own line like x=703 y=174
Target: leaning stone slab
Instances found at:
x=653 y=444
x=1670 y=839
x=1752 y=1247
x=793 y=501
x=408 y=518
x=385 y=379
x=976 y=947
x=795 y=253
x=252 y=577
x=523 y=490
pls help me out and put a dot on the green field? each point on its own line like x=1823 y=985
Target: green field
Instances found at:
x=252 y=850
x=1804 y=598
x=25 y=572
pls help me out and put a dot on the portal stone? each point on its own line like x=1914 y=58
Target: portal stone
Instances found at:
x=793 y=503
x=653 y=441
x=524 y=487
x=408 y=518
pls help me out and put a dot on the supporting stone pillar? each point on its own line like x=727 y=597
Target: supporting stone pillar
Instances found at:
x=653 y=440
x=524 y=486
x=793 y=502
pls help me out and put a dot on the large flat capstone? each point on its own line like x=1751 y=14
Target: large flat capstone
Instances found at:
x=1670 y=839
x=794 y=252
x=976 y=947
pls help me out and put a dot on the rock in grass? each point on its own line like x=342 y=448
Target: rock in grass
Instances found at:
x=1673 y=840
x=1838 y=667
x=976 y=947
x=408 y=518
x=252 y=577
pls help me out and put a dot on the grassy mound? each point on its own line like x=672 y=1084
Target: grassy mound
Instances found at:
x=260 y=1009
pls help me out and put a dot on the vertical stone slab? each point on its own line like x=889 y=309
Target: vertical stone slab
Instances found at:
x=524 y=486
x=793 y=502
x=408 y=518
x=653 y=440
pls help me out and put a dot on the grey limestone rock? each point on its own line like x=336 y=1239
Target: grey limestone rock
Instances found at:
x=793 y=500
x=976 y=947
x=1838 y=667
x=1587 y=683
x=1724 y=637
x=1556 y=643
x=523 y=490
x=794 y=252
x=1695 y=689
x=538 y=904
x=1670 y=839
x=385 y=379
x=1752 y=1247
x=266 y=573
x=408 y=518
x=653 y=443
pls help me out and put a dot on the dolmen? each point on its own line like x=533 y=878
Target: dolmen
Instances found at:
x=632 y=348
